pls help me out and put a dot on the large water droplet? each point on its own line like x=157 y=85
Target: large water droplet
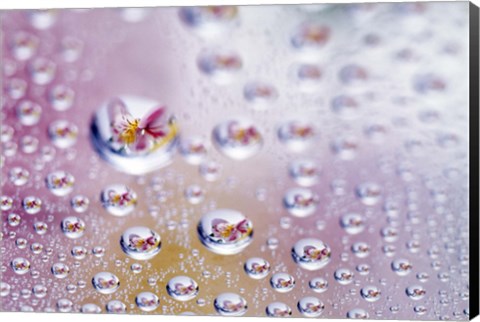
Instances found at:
x=140 y=243
x=182 y=288
x=278 y=309
x=73 y=227
x=147 y=301
x=300 y=202
x=310 y=307
x=20 y=265
x=60 y=183
x=282 y=282
x=402 y=267
x=230 y=304
x=318 y=284
x=105 y=282
x=311 y=254
x=257 y=268
x=370 y=293
x=32 y=205
x=119 y=200
x=225 y=231
x=238 y=139
x=416 y=292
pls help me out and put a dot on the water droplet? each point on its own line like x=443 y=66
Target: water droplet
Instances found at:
x=209 y=21
x=16 y=88
x=220 y=64
x=4 y=289
x=28 y=112
x=19 y=176
x=304 y=172
x=135 y=134
x=361 y=249
x=136 y=268
x=40 y=291
x=182 y=288
x=73 y=227
x=42 y=70
x=389 y=234
x=80 y=203
x=119 y=200
x=194 y=194
x=353 y=223
x=308 y=76
x=358 y=314
x=257 y=268
x=343 y=276
x=311 y=254
x=140 y=243
x=64 y=305
x=61 y=97
x=6 y=203
x=105 y=282
x=318 y=284
x=420 y=309
x=225 y=231
x=210 y=170
x=260 y=94
x=20 y=265
x=300 y=202
x=42 y=19
x=63 y=134
x=345 y=106
x=310 y=36
x=370 y=293
x=147 y=301
x=71 y=49
x=6 y=133
x=24 y=45
x=40 y=227
x=28 y=144
x=416 y=292
x=402 y=267
x=133 y=15
x=79 y=252
x=60 y=270
x=353 y=74
x=278 y=309
x=60 y=183
x=428 y=83
x=14 y=219
x=230 y=304
x=238 y=139
x=90 y=308
x=369 y=193
x=310 y=307
x=345 y=147
x=282 y=282
x=297 y=135
x=116 y=306
x=193 y=149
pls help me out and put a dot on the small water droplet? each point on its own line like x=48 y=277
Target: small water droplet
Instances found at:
x=282 y=282
x=182 y=288
x=238 y=139
x=105 y=282
x=310 y=307
x=119 y=200
x=257 y=268
x=230 y=304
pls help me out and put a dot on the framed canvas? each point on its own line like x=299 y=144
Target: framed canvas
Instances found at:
x=303 y=160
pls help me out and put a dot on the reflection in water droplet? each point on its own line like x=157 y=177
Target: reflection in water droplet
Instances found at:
x=60 y=270
x=230 y=304
x=361 y=249
x=80 y=203
x=220 y=65
x=416 y=292
x=61 y=97
x=60 y=183
x=260 y=94
x=308 y=76
x=42 y=71
x=353 y=223
x=147 y=301
x=182 y=288
x=6 y=203
x=210 y=170
x=345 y=147
x=71 y=49
x=90 y=308
x=63 y=134
x=225 y=231
x=278 y=309
x=32 y=205
x=194 y=194
x=20 y=265
x=282 y=282
x=297 y=135
x=369 y=193
x=28 y=112
x=140 y=243
x=42 y=19
x=343 y=276
x=116 y=307
x=119 y=200
x=353 y=74
x=193 y=149
x=64 y=305
x=238 y=139
x=310 y=307
x=14 y=219
x=40 y=291
x=311 y=254
x=318 y=284
x=105 y=282
x=257 y=268
x=402 y=267
x=73 y=227
x=304 y=172
x=209 y=21
x=24 y=45
x=358 y=314
x=79 y=252
x=300 y=202
x=19 y=176
x=16 y=88
x=370 y=293
x=310 y=36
